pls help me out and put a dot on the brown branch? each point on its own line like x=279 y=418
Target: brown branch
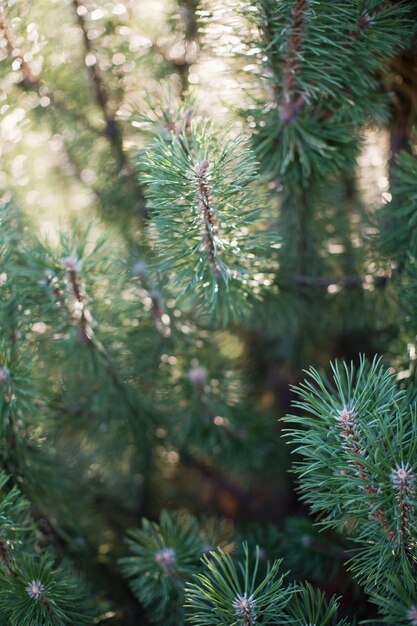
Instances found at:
x=322 y=282
x=347 y=420
x=4 y=553
x=291 y=101
x=100 y=92
x=84 y=326
x=207 y=218
x=403 y=483
x=81 y=314
x=113 y=130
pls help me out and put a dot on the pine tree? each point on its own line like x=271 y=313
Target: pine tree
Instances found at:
x=207 y=323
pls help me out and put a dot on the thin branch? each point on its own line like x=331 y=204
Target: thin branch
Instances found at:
x=402 y=478
x=291 y=101
x=209 y=225
x=113 y=128
x=349 y=433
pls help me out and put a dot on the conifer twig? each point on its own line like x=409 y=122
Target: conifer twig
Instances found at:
x=83 y=315
x=347 y=420
x=113 y=129
x=403 y=484
x=207 y=218
x=291 y=102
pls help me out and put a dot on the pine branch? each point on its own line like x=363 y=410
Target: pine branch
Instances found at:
x=361 y=426
x=291 y=102
x=209 y=226
x=113 y=129
x=164 y=556
x=232 y=593
x=32 y=589
x=203 y=219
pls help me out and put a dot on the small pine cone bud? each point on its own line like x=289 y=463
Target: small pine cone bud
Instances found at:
x=4 y=375
x=197 y=375
x=245 y=610
x=412 y=615
x=402 y=478
x=35 y=589
x=166 y=558
x=202 y=167
x=71 y=263
x=346 y=418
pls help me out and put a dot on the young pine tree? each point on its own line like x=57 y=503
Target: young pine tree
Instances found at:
x=207 y=223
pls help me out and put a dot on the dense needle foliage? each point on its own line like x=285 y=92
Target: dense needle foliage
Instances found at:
x=207 y=292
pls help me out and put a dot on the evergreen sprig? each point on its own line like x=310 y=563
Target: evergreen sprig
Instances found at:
x=310 y=606
x=33 y=590
x=206 y=210
x=164 y=557
x=322 y=60
x=356 y=440
x=236 y=594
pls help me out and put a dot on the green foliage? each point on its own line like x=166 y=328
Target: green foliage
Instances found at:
x=398 y=234
x=397 y=602
x=397 y=243
x=310 y=606
x=308 y=553
x=230 y=593
x=204 y=202
x=32 y=589
x=145 y=356
x=213 y=422
x=322 y=61
x=164 y=556
x=356 y=440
